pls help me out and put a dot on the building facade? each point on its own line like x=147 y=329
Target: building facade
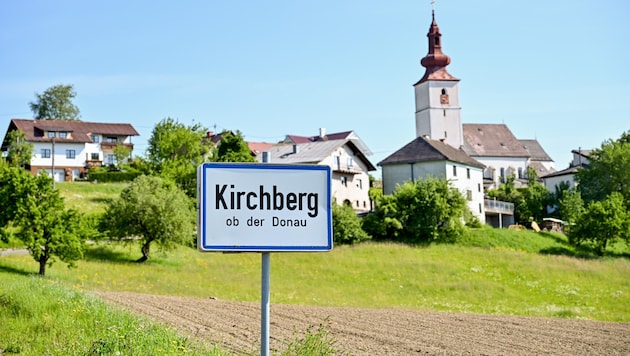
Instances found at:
x=66 y=149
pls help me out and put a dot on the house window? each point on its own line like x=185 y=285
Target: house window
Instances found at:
x=70 y=154
x=95 y=138
x=111 y=139
x=468 y=173
x=63 y=134
x=349 y=162
x=344 y=181
x=454 y=171
x=502 y=175
x=359 y=184
x=479 y=187
x=110 y=159
x=357 y=203
x=52 y=134
x=479 y=208
x=469 y=195
x=337 y=162
x=45 y=152
x=520 y=172
x=94 y=156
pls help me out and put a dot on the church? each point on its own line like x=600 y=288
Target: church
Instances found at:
x=473 y=157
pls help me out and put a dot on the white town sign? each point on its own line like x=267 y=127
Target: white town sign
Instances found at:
x=263 y=207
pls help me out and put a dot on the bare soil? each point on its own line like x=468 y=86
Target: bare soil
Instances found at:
x=236 y=326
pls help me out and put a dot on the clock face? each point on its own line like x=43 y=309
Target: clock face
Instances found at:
x=444 y=99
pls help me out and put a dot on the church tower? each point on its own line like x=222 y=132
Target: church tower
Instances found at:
x=438 y=113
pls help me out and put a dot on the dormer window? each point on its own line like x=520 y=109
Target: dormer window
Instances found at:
x=63 y=134
x=52 y=134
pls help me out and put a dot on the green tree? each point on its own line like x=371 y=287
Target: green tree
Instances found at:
x=232 y=148
x=55 y=104
x=535 y=198
x=19 y=151
x=419 y=212
x=121 y=153
x=175 y=150
x=32 y=206
x=602 y=223
x=152 y=209
x=607 y=172
x=570 y=208
x=347 y=226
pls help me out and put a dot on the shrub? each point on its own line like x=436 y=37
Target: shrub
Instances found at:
x=347 y=226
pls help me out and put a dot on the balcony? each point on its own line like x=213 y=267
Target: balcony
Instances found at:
x=345 y=169
x=111 y=145
x=498 y=207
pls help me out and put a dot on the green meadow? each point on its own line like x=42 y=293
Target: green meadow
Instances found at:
x=488 y=271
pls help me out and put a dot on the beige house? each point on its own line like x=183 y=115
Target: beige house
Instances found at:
x=66 y=149
x=344 y=152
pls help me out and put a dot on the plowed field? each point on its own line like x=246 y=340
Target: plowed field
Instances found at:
x=235 y=326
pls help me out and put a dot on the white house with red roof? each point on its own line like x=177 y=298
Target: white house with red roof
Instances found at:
x=344 y=152
x=66 y=149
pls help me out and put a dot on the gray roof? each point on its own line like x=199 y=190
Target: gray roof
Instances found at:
x=491 y=140
x=423 y=149
x=537 y=153
x=313 y=152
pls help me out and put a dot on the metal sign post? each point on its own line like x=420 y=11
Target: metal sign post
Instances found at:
x=264 y=304
x=264 y=208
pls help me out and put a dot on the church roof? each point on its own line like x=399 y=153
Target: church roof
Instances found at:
x=536 y=152
x=435 y=61
x=423 y=149
x=492 y=140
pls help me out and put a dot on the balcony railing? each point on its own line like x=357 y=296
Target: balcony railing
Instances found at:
x=499 y=207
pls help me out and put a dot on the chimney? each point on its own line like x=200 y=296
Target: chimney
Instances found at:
x=296 y=149
x=209 y=134
x=266 y=157
x=322 y=132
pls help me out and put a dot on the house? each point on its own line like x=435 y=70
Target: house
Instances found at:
x=344 y=152
x=66 y=149
x=424 y=157
x=581 y=158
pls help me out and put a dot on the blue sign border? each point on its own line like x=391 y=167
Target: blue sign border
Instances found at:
x=201 y=195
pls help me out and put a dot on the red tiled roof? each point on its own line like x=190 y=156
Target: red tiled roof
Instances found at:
x=34 y=130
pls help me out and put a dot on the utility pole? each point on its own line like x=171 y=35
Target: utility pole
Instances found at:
x=53 y=160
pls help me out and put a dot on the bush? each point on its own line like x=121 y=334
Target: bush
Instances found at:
x=347 y=226
x=109 y=177
x=419 y=212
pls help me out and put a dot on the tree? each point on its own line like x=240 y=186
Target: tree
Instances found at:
x=602 y=223
x=175 y=151
x=232 y=148
x=536 y=198
x=32 y=206
x=570 y=208
x=152 y=209
x=419 y=212
x=347 y=226
x=121 y=153
x=19 y=151
x=55 y=104
x=607 y=171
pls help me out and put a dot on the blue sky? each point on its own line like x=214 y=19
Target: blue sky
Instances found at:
x=557 y=71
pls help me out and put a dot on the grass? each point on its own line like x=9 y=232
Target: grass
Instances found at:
x=491 y=280
x=47 y=318
x=88 y=197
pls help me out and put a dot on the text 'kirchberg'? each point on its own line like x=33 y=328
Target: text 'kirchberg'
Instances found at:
x=228 y=197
